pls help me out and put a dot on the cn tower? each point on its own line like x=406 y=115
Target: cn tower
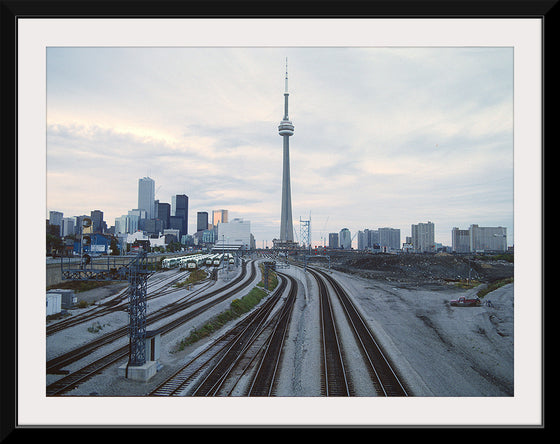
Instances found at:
x=286 y=129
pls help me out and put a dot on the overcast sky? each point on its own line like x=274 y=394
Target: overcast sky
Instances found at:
x=384 y=137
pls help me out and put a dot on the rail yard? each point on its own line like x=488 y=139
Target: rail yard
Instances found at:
x=352 y=327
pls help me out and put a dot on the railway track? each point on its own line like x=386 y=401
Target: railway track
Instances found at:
x=70 y=381
x=245 y=361
x=250 y=350
x=263 y=382
x=55 y=365
x=382 y=372
x=335 y=381
x=118 y=303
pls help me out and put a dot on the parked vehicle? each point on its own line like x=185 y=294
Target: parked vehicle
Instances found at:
x=464 y=302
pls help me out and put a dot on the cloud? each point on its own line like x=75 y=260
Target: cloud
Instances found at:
x=383 y=136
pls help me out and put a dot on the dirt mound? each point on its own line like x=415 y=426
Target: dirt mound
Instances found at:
x=423 y=268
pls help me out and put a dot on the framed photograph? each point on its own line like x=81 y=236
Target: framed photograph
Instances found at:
x=396 y=155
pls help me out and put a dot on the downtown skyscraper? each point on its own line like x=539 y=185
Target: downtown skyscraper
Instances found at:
x=147 y=196
x=179 y=213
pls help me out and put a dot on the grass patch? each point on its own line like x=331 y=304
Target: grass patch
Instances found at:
x=465 y=284
x=508 y=257
x=82 y=304
x=79 y=286
x=96 y=327
x=272 y=278
x=237 y=308
x=493 y=286
x=195 y=276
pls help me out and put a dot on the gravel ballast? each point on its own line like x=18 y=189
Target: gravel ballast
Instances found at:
x=439 y=350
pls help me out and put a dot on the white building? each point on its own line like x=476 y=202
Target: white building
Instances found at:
x=54 y=303
x=136 y=236
x=158 y=242
x=235 y=232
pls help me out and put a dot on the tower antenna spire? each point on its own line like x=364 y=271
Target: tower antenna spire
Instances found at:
x=286 y=92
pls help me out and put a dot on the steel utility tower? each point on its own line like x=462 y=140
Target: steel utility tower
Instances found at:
x=137 y=273
x=286 y=129
x=305 y=233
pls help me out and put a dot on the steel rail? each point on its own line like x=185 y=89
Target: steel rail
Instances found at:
x=336 y=381
x=231 y=356
x=118 y=303
x=55 y=388
x=215 y=378
x=252 y=361
x=387 y=380
x=263 y=381
x=53 y=365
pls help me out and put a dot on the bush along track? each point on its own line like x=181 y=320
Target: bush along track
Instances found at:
x=194 y=277
x=237 y=308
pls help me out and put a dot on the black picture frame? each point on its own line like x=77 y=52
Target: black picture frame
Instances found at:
x=12 y=11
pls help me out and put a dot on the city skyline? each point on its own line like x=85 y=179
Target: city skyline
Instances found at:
x=387 y=137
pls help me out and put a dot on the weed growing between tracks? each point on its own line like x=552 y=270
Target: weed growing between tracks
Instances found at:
x=195 y=276
x=237 y=308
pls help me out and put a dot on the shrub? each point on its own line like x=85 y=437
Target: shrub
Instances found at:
x=237 y=308
x=493 y=286
x=195 y=276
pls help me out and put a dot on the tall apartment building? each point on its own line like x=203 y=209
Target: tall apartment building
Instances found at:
x=345 y=239
x=460 y=240
x=68 y=224
x=488 y=238
x=333 y=240
x=362 y=240
x=147 y=196
x=423 y=237
x=55 y=218
x=389 y=238
x=479 y=239
x=372 y=237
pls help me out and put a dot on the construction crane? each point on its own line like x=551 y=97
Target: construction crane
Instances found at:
x=353 y=237
x=323 y=237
